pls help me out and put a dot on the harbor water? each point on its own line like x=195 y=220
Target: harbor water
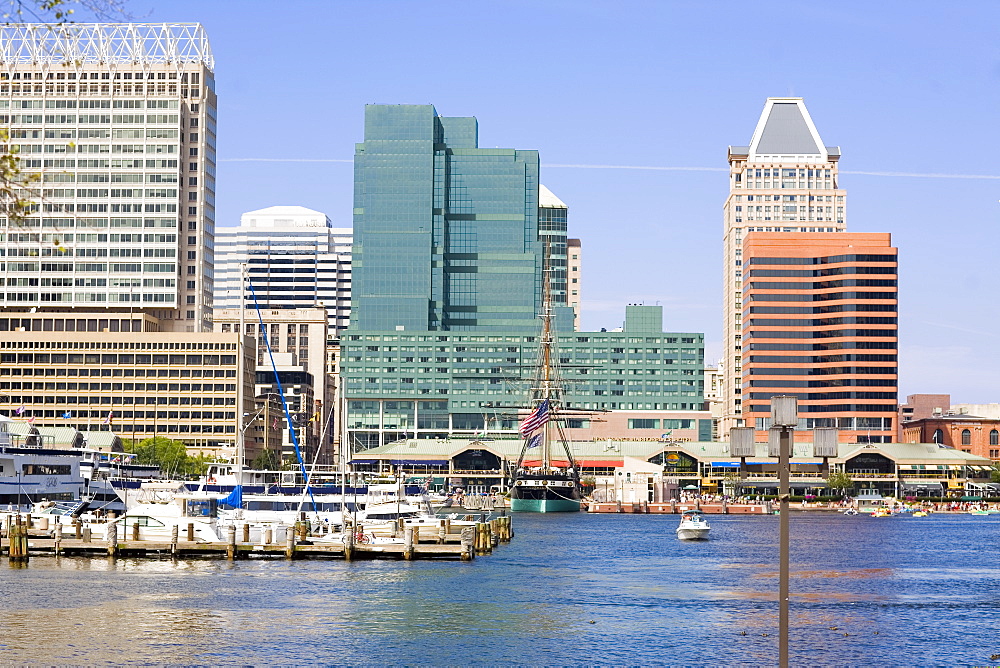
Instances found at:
x=569 y=589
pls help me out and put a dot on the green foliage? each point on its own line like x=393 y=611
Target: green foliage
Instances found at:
x=170 y=455
x=840 y=480
x=995 y=473
x=268 y=460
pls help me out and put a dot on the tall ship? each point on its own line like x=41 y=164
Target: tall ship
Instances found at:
x=546 y=479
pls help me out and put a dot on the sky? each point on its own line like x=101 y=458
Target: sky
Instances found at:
x=632 y=106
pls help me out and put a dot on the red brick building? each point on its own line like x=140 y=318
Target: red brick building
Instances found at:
x=976 y=435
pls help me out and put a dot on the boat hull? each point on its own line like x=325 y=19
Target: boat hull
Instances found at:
x=692 y=534
x=545 y=494
x=545 y=505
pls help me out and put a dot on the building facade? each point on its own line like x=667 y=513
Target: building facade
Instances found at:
x=574 y=252
x=820 y=323
x=80 y=371
x=436 y=384
x=446 y=234
x=974 y=434
x=785 y=181
x=295 y=259
x=118 y=124
x=297 y=342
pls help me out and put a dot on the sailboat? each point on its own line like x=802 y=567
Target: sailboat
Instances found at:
x=546 y=479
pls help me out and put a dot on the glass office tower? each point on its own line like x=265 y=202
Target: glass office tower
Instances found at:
x=446 y=233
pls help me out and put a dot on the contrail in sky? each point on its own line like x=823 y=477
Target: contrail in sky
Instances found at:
x=654 y=168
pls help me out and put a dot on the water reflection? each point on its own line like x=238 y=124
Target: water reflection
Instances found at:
x=571 y=589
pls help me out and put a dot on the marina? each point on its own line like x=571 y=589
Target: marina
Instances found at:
x=22 y=538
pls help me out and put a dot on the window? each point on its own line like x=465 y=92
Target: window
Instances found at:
x=994 y=437
x=938 y=436
x=966 y=437
x=643 y=423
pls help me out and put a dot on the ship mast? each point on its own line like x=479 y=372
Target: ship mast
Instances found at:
x=546 y=367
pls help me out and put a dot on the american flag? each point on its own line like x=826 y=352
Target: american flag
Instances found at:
x=535 y=441
x=110 y=417
x=536 y=420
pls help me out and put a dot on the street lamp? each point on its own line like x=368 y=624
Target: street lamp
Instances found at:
x=784 y=417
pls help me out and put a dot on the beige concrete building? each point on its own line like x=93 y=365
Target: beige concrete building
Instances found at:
x=119 y=373
x=786 y=180
x=574 y=251
x=298 y=342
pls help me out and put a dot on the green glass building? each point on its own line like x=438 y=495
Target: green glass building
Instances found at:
x=451 y=243
x=439 y=384
x=446 y=234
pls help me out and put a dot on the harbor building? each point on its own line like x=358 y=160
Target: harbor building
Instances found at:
x=820 y=323
x=658 y=470
x=118 y=122
x=294 y=258
x=969 y=433
x=298 y=342
x=785 y=181
x=124 y=374
x=447 y=234
x=434 y=384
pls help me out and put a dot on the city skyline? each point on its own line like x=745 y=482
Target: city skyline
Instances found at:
x=672 y=95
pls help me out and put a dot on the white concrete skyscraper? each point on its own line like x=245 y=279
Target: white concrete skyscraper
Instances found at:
x=295 y=258
x=119 y=122
x=786 y=180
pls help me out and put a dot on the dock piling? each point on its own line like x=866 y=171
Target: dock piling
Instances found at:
x=408 y=543
x=468 y=553
x=174 y=531
x=231 y=542
x=112 y=539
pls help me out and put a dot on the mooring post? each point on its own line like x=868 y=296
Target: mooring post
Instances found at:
x=442 y=532
x=289 y=544
x=348 y=533
x=190 y=532
x=246 y=532
x=408 y=543
x=135 y=530
x=87 y=534
x=231 y=542
x=112 y=539
x=467 y=537
x=78 y=528
x=174 y=531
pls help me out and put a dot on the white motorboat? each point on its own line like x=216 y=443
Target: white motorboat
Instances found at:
x=693 y=526
x=162 y=506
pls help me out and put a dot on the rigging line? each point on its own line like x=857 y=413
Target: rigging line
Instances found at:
x=281 y=393
x=319 y=448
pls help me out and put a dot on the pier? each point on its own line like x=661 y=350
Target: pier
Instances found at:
x=23 y=537
x=709 y=508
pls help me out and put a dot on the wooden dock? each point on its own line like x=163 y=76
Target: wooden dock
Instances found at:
x=20 y=541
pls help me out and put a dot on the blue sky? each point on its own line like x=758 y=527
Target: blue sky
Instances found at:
x=902 y=88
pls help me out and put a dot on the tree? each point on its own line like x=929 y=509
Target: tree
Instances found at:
x=995 y=473
x=170 y=455
x=840 y=480
x=266 y=461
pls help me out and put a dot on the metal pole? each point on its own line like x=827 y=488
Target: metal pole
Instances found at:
x=786 y=433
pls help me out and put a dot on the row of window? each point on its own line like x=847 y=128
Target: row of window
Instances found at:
x=114 y=358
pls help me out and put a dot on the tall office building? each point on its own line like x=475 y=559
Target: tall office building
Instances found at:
x=447 y=234
x=819 y=323
x=119 y=122
x=295 y=259
x=785 y=181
